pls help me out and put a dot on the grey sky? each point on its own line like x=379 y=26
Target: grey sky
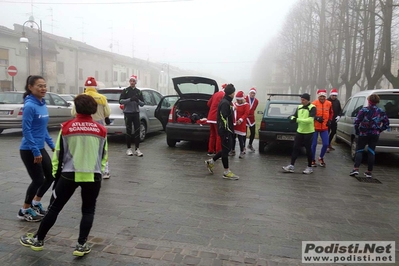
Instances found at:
x=220 y=37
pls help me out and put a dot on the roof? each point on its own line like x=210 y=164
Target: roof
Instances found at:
x=368 y=92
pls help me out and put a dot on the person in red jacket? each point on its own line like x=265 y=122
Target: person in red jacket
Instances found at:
x=241 y=112
x=253 y=103
x=324 y=115
x=214 y=144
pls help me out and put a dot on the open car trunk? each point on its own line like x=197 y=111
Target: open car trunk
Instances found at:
x=191 y=111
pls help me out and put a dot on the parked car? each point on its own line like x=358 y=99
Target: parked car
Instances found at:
x=11 y=104
x=148 y=122
x=185 y=115
x=275 y=125
x=68 y=98
x=389 y=102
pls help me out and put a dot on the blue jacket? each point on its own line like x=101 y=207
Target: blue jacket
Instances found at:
x=34 y=125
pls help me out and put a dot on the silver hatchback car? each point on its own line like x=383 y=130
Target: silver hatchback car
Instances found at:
x=389 y=102
x=11 y=104
x=148 y=122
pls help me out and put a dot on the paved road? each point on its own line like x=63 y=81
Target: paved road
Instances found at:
x=166 y=209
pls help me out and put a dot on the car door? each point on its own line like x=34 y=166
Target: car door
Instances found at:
x=60 y=110
x=149 y=108
x=157 y=98
x=163 y=109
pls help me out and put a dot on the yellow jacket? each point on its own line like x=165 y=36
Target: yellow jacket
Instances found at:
x=103 y=109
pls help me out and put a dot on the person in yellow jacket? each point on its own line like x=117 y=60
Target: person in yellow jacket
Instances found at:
x=304 y=117
x=103 y=110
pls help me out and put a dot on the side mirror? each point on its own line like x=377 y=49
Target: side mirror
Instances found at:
x=260 y=112
x=69 y=104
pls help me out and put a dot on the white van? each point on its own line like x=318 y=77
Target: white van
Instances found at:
x=389 y=102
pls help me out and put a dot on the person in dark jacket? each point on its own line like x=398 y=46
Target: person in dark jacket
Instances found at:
x=132 y=98
x=225 y=124
x=369 y=123
x=336 y=107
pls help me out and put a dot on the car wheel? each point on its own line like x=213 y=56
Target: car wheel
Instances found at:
x=262 y=146
x=143 y=131
x=171 y=142
x=353 y=149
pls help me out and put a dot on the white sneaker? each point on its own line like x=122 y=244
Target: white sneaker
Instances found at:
x=138 y=153
x=289 y=168
x=241 y=155
x=308 y=170
x=129 y=152
x=106 y=175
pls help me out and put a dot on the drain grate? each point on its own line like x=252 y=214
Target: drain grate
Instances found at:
x=368 y=180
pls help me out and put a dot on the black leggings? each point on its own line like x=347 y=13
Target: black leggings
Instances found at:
x=132 y=118
x=63 y=192
x=224 y=153
x=252 y=134
x=371 y=141
x=332 y=130
x=241 y=142
x=36 y=171
x=302 y=140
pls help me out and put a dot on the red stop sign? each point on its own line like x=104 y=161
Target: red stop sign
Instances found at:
x=12 y=71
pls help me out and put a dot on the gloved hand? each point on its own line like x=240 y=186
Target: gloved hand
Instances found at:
x=337 y=119
x=329 y=123
x=319 y=119
x=134 y=98
x=292 y=119
x=107 y=121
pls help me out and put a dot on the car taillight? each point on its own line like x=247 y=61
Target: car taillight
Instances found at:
x=263 y=125
x=20 y=111
x=172 y=111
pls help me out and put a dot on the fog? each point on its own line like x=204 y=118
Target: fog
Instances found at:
x=219 y=37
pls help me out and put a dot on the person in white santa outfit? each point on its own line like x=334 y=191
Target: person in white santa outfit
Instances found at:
x=253 y=103
x=241 y=112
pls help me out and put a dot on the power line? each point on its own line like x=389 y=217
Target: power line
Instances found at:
x=95 y=3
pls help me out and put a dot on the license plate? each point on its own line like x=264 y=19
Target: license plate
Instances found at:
x=4 y=112
x=286 y=137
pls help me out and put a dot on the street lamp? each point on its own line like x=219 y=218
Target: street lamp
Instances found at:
x=167 y=84
x=23 y=39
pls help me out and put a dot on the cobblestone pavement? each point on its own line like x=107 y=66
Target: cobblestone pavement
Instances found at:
x=167 y=209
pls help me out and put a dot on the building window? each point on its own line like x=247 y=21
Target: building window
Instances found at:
x=72 y=89
x=81 y=90
x=4 y=57
x=80 y=74
x=106 y=76
x=115 y=75
x=51 y=88
x=96 y=75
x=60 y=67
x=123 y=77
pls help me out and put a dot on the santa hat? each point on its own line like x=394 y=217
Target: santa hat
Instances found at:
x=334 y=91
x=240 y=95
x=322 y=92
x=252 y=90
x=90 y=82
x=133 y=77
x=224 y=85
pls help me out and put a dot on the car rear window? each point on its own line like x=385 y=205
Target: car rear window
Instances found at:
x=112 y=95
x=281 y=109
x=187 y=88
x=11 y=98
x=390 y=104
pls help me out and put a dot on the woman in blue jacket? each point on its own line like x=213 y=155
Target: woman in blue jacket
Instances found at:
x=37 y=161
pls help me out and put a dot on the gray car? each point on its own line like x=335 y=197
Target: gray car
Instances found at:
x=11 y=104
x=148 y=122
x=389 y=102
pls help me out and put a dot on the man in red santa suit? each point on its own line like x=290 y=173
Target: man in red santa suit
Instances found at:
x=253 y=103
x=214 y=144
x=240 y=128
